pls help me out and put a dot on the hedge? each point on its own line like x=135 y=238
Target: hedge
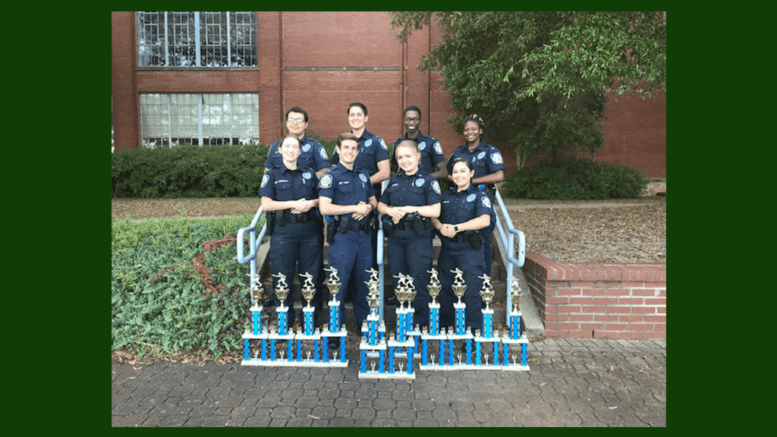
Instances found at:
x=188 y=171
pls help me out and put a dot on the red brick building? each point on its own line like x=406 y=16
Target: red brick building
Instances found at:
x=227 y=77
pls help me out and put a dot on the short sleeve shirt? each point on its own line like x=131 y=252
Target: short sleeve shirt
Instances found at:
x=459 y=207
x=345 y=187
x=312 y=154
x=372 y=150
x=280 y=183
x=431 y=152
x=419 y=189
x=485 y=158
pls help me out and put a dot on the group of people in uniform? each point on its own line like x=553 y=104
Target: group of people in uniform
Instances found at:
x=304 y=195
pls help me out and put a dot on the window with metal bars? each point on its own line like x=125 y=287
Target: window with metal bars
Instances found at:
x=196 y=39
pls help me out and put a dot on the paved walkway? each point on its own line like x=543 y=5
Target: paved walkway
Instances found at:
x=572 y=382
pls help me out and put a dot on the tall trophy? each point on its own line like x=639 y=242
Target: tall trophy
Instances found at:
x=459 y=288
x=515 y=336
x=282 y=292
x=256 y=330
x=334 y=329
x=487 y=293
x=434 y=288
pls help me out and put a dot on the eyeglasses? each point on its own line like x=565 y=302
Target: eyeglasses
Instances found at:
x=296 y=120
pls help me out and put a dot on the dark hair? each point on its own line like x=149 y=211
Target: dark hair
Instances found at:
x=361 y=105
x=297 y=109
x=411 y=108
x=465 y=161
x=346 y=136
x=475 y=118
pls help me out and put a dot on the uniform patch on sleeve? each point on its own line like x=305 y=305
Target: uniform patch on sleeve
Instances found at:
x=496 y=158
x=438 y=148
x=265 y=178
x=322 y=152
x=326 y=181
x=436 y=187
x=383 y=144
x=486 y=202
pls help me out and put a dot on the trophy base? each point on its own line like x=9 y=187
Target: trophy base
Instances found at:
x=303 y=363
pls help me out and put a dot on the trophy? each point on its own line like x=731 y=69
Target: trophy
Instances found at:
x=282 y=292
x=459 y=287
x=487 y=291
x=434 y=288
x=515 y=336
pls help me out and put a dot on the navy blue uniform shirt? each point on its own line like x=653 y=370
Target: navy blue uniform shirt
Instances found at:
x=459 y=207
x=312 y=154
x=485 y=158
x=372 y=150
x=419 y=189
x=345 y=187
x=283 y=184
x=431 y=152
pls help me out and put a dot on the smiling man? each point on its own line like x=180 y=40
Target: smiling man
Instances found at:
x=312 y=153
x=432 y=158
x=347 y=198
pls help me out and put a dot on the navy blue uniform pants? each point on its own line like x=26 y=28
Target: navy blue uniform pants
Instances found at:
x=470 y=261
x=412 y=254
x=351 y=254
x=297 y=246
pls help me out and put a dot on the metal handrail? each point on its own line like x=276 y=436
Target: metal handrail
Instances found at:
x=251 y=258
x=508 y=244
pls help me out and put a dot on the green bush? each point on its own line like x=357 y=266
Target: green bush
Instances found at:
x=575 y=179
x=188 y=172
x=158 y=298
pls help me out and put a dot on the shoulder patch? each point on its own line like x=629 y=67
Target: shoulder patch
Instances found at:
x=265 y=178
x=438 y=148
x=496 y=158
x=326 y=181
x=436 y=186
x=486 y=202
x=322 y=152
x=383 y=144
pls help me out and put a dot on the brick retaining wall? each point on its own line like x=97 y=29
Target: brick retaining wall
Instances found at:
x=597 y=299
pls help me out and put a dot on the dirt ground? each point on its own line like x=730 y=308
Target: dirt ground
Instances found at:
x=623 y=230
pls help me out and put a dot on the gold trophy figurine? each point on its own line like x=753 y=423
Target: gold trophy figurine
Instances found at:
x=458 y=286
x=516 y=294
x=308 y=289
x=434 y=286
x=487 y=291
x=282 y=289
x=333 y=283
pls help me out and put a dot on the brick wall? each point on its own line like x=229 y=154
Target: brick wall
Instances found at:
x=598 y=300
x=322 y=61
